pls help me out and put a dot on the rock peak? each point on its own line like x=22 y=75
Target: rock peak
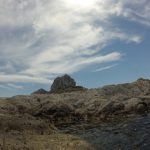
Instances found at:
x=62 y=83
x=40 y=91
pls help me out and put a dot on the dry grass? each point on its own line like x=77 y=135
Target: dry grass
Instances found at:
x=43 y=142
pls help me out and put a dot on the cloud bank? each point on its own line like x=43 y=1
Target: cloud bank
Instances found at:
x=41 y=39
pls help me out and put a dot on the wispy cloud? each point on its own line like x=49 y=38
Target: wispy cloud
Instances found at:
x=136 y=10
x=15 y=86
x=10 y=86
x=4 y=87
x=40 y=39
x=105 y=68
x=22 y=78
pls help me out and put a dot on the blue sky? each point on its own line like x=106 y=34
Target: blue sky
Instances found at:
x=97 y=42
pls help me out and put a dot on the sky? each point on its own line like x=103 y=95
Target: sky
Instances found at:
x=97 y=42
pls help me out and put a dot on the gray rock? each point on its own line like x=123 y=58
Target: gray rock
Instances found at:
x=62 y=83
x=112 y=108
x=142 y=107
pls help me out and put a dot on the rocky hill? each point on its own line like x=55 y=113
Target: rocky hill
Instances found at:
x=72 y=119
x=40 y=91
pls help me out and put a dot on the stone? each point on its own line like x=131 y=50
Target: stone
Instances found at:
x=62 y=83
x=142 y=107
x=112 y=108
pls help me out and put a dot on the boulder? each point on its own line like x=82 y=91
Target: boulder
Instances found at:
x=142 y=107
x=62 y=83
x=111 y=108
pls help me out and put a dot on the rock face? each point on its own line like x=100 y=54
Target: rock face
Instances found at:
x=62 y=83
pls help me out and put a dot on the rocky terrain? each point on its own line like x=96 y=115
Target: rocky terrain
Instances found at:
x=70 y=117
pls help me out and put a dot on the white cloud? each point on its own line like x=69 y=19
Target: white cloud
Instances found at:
x=137 y=11
x=39 y=39
x=22 y=78
x=105 y=68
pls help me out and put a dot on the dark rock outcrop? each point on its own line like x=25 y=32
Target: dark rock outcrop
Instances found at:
x=40 y=91
x=65 y=84
x=61 y=83
x=59 y=113
x=112 y=108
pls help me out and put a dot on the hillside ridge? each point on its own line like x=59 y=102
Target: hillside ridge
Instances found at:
x=49 y=114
